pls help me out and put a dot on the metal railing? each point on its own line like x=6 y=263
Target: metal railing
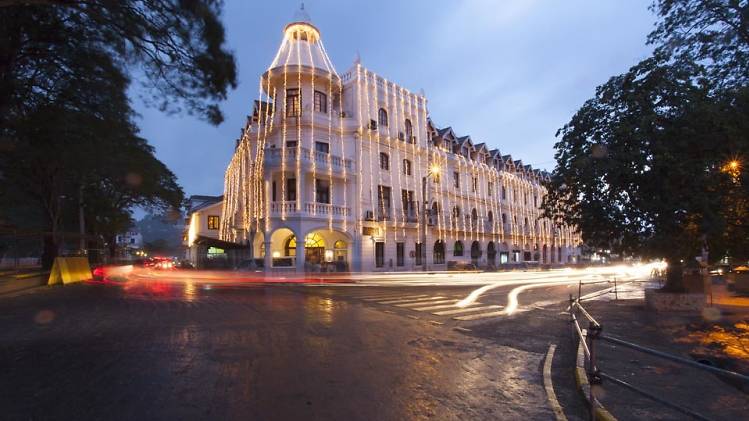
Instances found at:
x=589 y=342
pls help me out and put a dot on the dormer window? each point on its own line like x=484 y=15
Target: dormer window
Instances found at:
x=382 y=117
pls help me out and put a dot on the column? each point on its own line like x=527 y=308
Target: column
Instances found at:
x=268 y=258
x=299 y=254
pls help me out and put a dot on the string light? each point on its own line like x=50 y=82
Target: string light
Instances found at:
x=247 y=200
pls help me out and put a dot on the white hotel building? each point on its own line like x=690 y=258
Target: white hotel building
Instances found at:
x=332 y=170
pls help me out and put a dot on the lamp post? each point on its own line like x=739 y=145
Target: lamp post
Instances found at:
x=434 y=170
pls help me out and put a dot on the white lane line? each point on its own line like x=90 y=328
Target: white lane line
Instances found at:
x=480 y=316
x=464 y=310
x=444 y=307
x=549 y=386
x=374 y=297
x=424 y=300
x=394 y=297
x=422 y=303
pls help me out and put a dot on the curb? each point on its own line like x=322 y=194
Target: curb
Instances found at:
x=549 y=386
x=581 y=378
x=22 y=282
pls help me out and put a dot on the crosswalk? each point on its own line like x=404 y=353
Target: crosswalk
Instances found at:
x=434 y=305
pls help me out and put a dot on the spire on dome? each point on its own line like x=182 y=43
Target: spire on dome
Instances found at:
x=301 y=15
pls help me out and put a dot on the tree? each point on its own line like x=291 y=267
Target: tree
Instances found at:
x=177 y=45
x=641 y=167
x=82 y=140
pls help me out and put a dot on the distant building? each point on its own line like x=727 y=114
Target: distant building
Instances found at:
x=201 y=235
x=332 y=173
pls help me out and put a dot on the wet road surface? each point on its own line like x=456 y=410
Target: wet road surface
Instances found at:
x=184 y=350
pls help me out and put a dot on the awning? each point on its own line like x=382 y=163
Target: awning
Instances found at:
x=215 y=242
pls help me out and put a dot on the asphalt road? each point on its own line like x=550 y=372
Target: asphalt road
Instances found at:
x=167 y=346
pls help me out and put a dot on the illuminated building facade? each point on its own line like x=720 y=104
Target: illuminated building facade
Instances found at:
x=331 y=171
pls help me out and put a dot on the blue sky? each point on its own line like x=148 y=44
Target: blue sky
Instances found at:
x=506 y=72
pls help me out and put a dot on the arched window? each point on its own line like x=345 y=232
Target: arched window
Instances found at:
x=504 y=218
x=475 y=250
x=406 y=167
x=382 y=117
x=313 y=240
x=384 y=161
x=490 y=216
x=340 y=244
x=438 y=254
x=456 y=212
x=409 y=131
x=458 y=248
x=474 y=216
x=289 y=248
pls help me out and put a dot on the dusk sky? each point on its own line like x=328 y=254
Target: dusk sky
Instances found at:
x=508 y=73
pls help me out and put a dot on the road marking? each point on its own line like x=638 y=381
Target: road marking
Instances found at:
x=412 y=316
x=464 y=310
x=422 y=303
x=377 y=297
x=549 y=386
x=441 y=307
x=396 y=296
x=461 y=329
x=425 y=300
x=480 y=316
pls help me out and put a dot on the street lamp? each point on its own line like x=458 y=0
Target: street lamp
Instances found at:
x=434 y=171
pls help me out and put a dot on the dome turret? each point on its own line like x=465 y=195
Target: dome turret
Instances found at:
x=302 y=47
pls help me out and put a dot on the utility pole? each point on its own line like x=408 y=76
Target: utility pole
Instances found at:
x=81 y=221
x=425 y=203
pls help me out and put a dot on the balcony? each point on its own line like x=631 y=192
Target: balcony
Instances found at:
x=322 y=161
x=312 y=209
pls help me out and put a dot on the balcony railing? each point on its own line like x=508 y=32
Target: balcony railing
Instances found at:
x=309 y=209
x=322 y=160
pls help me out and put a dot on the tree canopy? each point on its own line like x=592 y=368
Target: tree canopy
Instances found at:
x=655 y=164
x=67 y=131
x=176 y=45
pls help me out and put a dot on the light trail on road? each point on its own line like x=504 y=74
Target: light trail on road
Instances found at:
x=484 y=281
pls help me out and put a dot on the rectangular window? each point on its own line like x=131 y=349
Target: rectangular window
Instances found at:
x=419 y=254
x=490 y=188
x=400 y=254
x=504 y=193
x=323 y=147
x=383 y=201
x=384 y=161
x=291 y=144
x=322 y=191
x=212 y=222
x=273 y=191
x=321 y=102
x=293 y=103
x=291 y=189
x=535 y=201
x=379 y=254
x=475 y=184
x=456 y=179
x=407 y=198
x=406 y=167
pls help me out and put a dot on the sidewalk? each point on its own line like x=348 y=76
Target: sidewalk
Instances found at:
x=694 y=336
x=14 y=281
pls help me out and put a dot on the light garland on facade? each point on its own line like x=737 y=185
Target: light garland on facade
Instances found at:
x=247 y=187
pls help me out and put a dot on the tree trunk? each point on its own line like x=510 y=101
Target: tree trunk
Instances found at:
x=674 y=276
x=49 y=251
